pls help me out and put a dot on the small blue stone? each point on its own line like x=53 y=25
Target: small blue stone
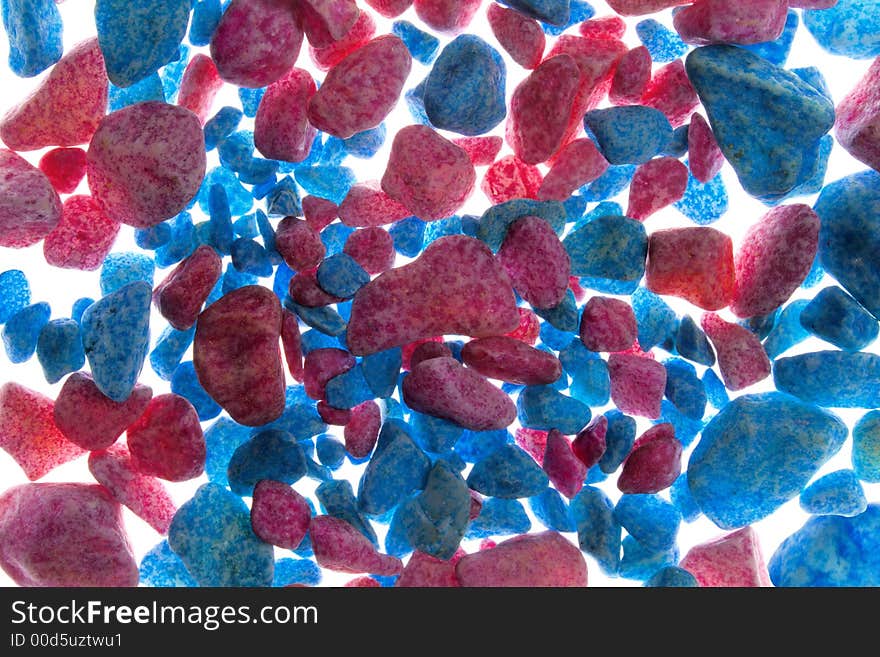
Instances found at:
x=434 y=230
x=507 y=472
x=678 y=145
x=543 y=408
x=300 y=417
x=22 y=331
x=473 y=446
x=79 y=307
x=249 y=257
x=434 y=434
x=608 y=247
x=148 y=89
x=323 y=319
x=120 y=269
x=599 y=533
x=655 y=319
x=640 y=563
x=239 y=198
x=554 y=12
x=831 y=378
x=221 y=440
x=609 y=184
x=206 y=16
x=421 y=45
x=836 y=317
x=381 y=370
x=760 y=325
x=787 y=330
x=552 y=337
x=172 y=73
x=684 y=388
x=34 y=29
x=716 y=391
x=663 y=44
x=334 y=237
x=619 y=439
x=367 y=143
x=564 y=315
x=330 y=182
x=552 y=511
x=185 y=382
x=270 y=454
x=59 y=349
x=866 y=447
x=341 y=276
x=250 y=100
x=408 y=235
x=691 y=343
x=152 y=238
x=182 y=243
x=15 y=293
x=592 y=384
x=233 y=279
x=849 y=28
x=348 y=389
x=331 y=452
x=499 y=517
x=221 y=125
x=649 y=519
x=631 y=134
x=838 y=493
x=296 y=571
x=686 y=428
x=672 y=577
x=703 y=203
x=579 y=11
x=160 y=567
x=169 y=350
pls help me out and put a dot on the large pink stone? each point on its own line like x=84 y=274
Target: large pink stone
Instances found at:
x=181 y=295
x=455 y=286
x=656 y=184
x=741 y=356
x=29 y=206
x=199 y=86
x=281 y=128
x=732 y=560
x=722 y=21
x=671 y=92
x=362 y=430
x=508 y=359
x=536 y=261
x=608 y=325
x=64 y=535
x=519 y=35
x=654 y=462
x=631 y=77
x=339 y=546
x=237 y=356
x=858 y=119
x=637 y=384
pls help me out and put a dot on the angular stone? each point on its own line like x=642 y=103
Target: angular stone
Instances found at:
x=733 y=560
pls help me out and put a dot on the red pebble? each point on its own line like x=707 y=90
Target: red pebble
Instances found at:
x=179 y=298
x=443 y=388
x=321 y=365
x=604 y=27
x=329 y=56
x=199 y=86
x=146 y=496
x=390 y=8
x=774 y=258
x=608 y=325
x=423 y=570
x=427 y=173
x=577 y=164
x=654 y=462
x=533 y=442
x=427 y=351
x=641 y=7
x=326 y=21
x=565 y=470
x=362 y=431
x=367 y=205
x=167 y=440
x=372 y=248
x=671 y=92
x=529 y=560
x=521 y=36
x=481 y=150
x=28 y=432
x=361 y=90
x=456 y=286
x=589 y=445
x=299 y=244
x=536 y=262
x=146 y=162
x=858 y=119
x=446 y=15
x=476 y=505
x=279 y=515
x=631 y=77
x=656 y=184
x=66 y=107
x=319 y=212
x=508 y=359
x=92 y=420
x=339 y=546
x=65 y=168
x=64 y=535
x=511 y=178
x=529 y=327
x=29 y=205
x=637 y=384
x=291 y=341
x=363 y=582
x=281 y=128
x=305 y=291
x=741 y=356
x=83 y=237
x=408 y=351
x=705 y=158
x=256 y=42
x=237 y=356
x=732 y=560
x=721 y=21
x=338 y=417
x=694 y=263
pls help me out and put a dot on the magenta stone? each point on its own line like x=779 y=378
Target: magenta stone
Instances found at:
x=279 y=515
x=180 y=297
x=608 y=325
x=339 y=546
x=637 y=384
x=536 y=261
x=508 y=359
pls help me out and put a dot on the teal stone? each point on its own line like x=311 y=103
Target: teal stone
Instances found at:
x=543 y=408
x=599 y=533
x=508 y=472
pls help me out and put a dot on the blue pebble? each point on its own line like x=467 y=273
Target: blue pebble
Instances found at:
x=330 y=182
x=656 y=320
x=575 y=357
x=323 y=319
x=160 y=567
x=630 y=134
x=212 y=534
x=496 y=220
x=473 y=446
x=684 y=388
x=703 y=203
x=120 y=269
x=59 y=349
x=554 y=12
x=239 y=198
x=296 y=571
x=139 y=38
x=220 y=233
x=686 y=428
x=341 y=276
x=34 y=29
x=773 y=152
x=181 y=244
x=564 y=315
x=233 y=279
x=422 y=46
x=815 y=275
x=250 y=100
x=367 y=143
x=672 y=577
x=148 y=89
x=640 y=563
x=608 y=285
x=79 y=307
x=334 y=237
x=716 y=391
x=649 y=519
x=221 y=125
x=408 y=236
x=246 y=226
x=831 y=378
x=552 y=511
x=758 y=453
x=317 y=471
x=579 y=11
x=681 y=497
x=552 y=337
x=866 y=447
x=788 y=330
x=599 y=533
x=313 y=339
x=172 y=73
x=608 y=247
x=300 y=417
x=663 y=44
x=152 y=238
x=836 y=317
x=22 y=331
x=831 y=551
x=185 y=382
x=206 y=16
x=304 y=549
x=331 y=452
x=850 y=28
x=838 y=493
x=270 y=454
x=499 y=517
x=168 y=352
x=609 y=184
x=332 y=153
x=542 y=407
x=434 y=434
x=221 y=440
x=619 y=439
x=15 y=293
x=337 y=499
x=507 y=472
x=249 y=257
x=776 y=52
x=282 y=199
x=813 y=76
x=381 y=370
x=691 y=343
x=592 y=385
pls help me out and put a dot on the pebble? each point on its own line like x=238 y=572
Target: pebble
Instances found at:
x=731 y=560
x=741 y=356
x=30 y=208
x=831 y=378
x=866 y=447
x=836 y=317
x=837 y=493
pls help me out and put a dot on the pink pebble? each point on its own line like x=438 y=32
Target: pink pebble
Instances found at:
x=608 y=325
x=423 y=570
x=167 y=440
x=363 y=582
x=92 y=420
x=858 y=119
x=338 y=417
x=529 y=327
x=427 y=173
x=339 y=546
x=694 y=263
x=390 y=8
x=29 y=205
x=732 y=560
x=64 y=535
x=146 y=496
x=362 y=431
x=671 y=92
x=279 y=515
x=511 y=360
x=237 y=356
x=529 y=560
x=179 y=298
x=654 y=462
x=427 y=351
x=604 y=27
x=321 y=365
x=305 y=291
x=589 y=445
x=28 y=432
x=533 y=442
x=291 y=341
x=66 y=107
x=372 y=248
x=65 y=168
x=83 y=237
x=367 y=205
x=199 y=86
x=641 y=7
x=476 y=505
x=637 y=384
x=443 y=388
x=774 y=258
x=361 y=90
x=409 y=350
x=741 y=356
x=446 y=15
x=565 y=470
x=360 y=33
x=631 y=77
x=656 y=184
x=705 y=158
x=326 y=21
x=510 y=178
x=519 y=35
x=146 y=162
x=319 y=212
x=299 y=244
x=577 y=164
x=455 y=286
x=720 y=21
x=256 y=42
x=536 y=262
x=481 y=150
x=281 y=128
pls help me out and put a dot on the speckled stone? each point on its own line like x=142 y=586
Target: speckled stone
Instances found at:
x=629 y=135
x=35 y=30
x=396 y=469
x=508 y=472
x=670 y=577
x=831 y=378
x=837 y=318
x=545 y=408
x=608 y=247
x=494 y=223
x=838 y=493
x=270 y=454
x=849 y=28
x=599 y=533
x=650 y=519
x=732 y=560
x=866 y=447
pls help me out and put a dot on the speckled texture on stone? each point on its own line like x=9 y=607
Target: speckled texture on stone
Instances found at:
x=837 y=493
x=166 y=440
x=741 y=356
x=831 y=378
x=269 y=454
x=508 y=472
x=866 y=447
x=281 y=128
x=732 y=560
x=397 y=469
x=650 y=519
x=29 y=206
x=536 y=262
x=836 y=317
x=608 y=247
x=849 y=28
x=511 y=360
x=629 y=135
x=599 y=533
x=858 y=119
x=496 y=221
x=544 y=408
x=34 y=28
